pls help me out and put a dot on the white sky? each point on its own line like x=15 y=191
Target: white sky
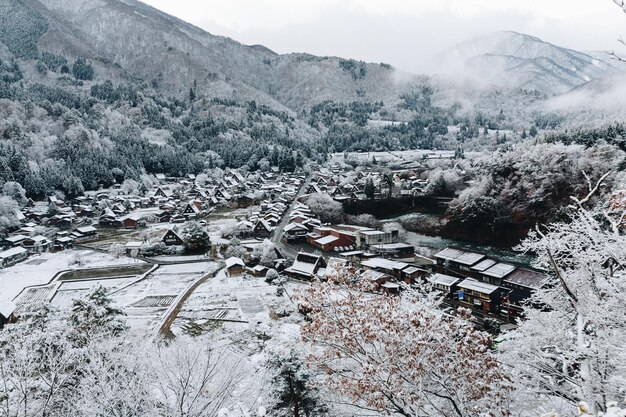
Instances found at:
x=400 y=32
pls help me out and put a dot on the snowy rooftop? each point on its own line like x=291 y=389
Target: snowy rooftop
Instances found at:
x=232 y=261
x=526 y=278
x=483 y=265
x=499 y=270
x=384 y=263
x=7 y=307
x=12 y=252
x=442 y=279
x=460 y=256
x=327 y=239
x=479 y=286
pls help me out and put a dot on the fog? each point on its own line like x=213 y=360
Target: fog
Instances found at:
x=404 y=34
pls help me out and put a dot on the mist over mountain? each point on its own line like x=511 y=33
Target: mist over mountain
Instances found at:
x=515 y=60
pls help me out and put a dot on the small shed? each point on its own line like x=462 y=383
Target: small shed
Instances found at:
x=234 y=266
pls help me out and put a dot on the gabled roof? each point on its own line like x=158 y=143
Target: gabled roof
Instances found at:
x=264 y=224
x=295 y=226
x=232 y=261
x=305 y=264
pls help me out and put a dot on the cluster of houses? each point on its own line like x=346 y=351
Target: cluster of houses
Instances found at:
x=353 y=185
x=170 y=200
x=385 y=275
x=468 y=279
x=484 y=284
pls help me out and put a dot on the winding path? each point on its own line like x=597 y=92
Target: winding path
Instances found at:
x=165 y=326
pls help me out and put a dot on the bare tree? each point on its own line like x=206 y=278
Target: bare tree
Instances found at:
x=399 y=355
x=192 y=380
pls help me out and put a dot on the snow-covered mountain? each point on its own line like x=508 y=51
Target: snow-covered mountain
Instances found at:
x=516 y=60
x=129 y=37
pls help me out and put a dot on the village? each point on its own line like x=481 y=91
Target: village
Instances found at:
x=153 y=247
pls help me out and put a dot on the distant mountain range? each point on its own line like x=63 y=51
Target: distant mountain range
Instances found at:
x=128 y=40
x=516 y=60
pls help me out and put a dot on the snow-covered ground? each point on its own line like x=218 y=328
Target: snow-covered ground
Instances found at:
x=147 y=301
x=233 y=308
x=41 y=269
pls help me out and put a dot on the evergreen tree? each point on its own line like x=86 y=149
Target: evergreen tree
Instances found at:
x=370 y=189
x=93 y=316
x=195 y=238
x=292 y=387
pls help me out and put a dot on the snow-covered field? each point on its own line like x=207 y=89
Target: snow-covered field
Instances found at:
x=147 y=301
x=241 y=311
x=41 y=269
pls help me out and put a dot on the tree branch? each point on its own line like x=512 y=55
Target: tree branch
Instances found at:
x=592 y=191
x=570 y=294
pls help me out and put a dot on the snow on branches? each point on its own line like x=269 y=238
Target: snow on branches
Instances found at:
x=574 y=349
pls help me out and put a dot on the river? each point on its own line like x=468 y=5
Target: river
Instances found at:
x=428 y=245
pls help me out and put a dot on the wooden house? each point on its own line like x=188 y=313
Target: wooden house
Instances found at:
x=234 y=266
x=295 y=231
x=479 y=296
x=446 y=284
x=262 y=229
x=191 y=210
x=306 y=266
x=37 y=244
x=170 y=238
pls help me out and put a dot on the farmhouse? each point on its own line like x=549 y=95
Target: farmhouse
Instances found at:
x=85 y=233
x=262 y=229
x=37 y=244
x=170 y=238
x=306 y=266
x=234 y=266
x=295 y=231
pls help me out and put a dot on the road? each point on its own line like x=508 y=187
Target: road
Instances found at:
x=286 y=250
x=164 y=329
